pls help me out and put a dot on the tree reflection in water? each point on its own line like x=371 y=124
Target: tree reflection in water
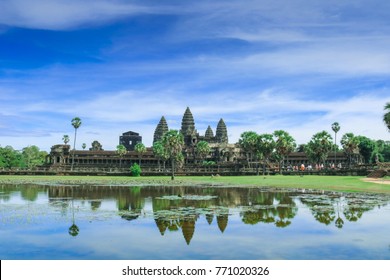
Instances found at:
x=180 y=208
x=73 y=229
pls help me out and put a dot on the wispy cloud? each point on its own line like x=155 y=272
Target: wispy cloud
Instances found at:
x=64 y=14
x=261 y=65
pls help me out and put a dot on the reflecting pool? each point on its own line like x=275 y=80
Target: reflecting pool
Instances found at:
x=117 y=222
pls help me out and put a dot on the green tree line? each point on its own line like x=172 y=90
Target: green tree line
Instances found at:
x=29 y=157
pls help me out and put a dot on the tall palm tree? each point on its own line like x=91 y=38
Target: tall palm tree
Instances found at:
x=160 y=153
x=173 y=142
x=386 y=116
x=73 y=229
x=350 y=145
x=202 y=149
x=121 y=151
x=76 y=123
x=335 y=128
x=318 y=148
x=248 y=141
x=265 y=147
x=284 y=145
x=140 y=149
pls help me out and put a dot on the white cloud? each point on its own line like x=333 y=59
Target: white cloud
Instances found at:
x=63 y=14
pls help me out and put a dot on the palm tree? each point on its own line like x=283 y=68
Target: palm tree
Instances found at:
x=76 y=123
x=248 y=141
x=173 y=142
x=350 y=145
x=140 y=149
x=386 y=116
x=318 y=148
x=73 y=229
x=202 y=149
x=66 y=139
x=121 y=151
x=265 y=147
x=160 y=153
x=284 y=145
x=335 y=128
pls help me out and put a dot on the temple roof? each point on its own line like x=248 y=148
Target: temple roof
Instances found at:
x=161 y=128
x=221 y=134
x=209 y=133
x=187 y=123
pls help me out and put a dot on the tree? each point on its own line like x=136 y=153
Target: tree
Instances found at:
x=335 y=128
x=121 y=151
x=284 y=145
x=32 y=156
x=318 y=148
x=10 y=158
x=248 y=141
x=83 y=146
x=367 y=148
x=66 y=139
x=386 y=116
x=265 y=147
x=160 y=153
x=135 y=170
x=76 y=123
x=140 y=149
x=202 y=149
x=173 y=142
x=96 y=146
x=350 y=145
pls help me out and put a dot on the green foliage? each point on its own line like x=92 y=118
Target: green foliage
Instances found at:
x=135 y=170
x=121 y=150
x=350 y=145
x=33 y=157
x=173 y=142
x=367 y=148
x=386 y=116
x=29 y=157
x=66 y=139
x=202 y=149
x=208 y=163
x=10 y=158
x=159 y=151
x=265 y=145
x=318 y=148
x=140 y=148
x=284 y=143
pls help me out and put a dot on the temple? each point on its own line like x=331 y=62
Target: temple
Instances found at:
x=226 y=158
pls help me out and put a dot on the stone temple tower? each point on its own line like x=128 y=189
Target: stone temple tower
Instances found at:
x=221 y=133
x=209 y=133
x=161 y=128
x=188 y=128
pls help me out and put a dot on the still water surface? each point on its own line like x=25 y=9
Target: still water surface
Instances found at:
x=116 y=222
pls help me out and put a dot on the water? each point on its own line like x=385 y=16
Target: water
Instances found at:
x=99 y=222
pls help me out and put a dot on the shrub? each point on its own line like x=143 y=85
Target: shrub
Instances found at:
x=135 y=170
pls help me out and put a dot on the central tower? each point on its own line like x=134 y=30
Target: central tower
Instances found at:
x=188 y=128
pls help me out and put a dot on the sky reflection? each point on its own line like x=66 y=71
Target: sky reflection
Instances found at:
x=190 y=223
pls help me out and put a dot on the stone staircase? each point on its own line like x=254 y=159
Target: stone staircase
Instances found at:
x=379 y=173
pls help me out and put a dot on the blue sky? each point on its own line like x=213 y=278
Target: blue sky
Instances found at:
x=261 y=65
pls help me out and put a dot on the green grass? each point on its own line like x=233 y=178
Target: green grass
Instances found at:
x=335 y=183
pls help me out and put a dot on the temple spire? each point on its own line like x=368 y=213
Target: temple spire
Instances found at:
x=161 y=128
x=187 y=123
x=209 y=133
x=221 y=134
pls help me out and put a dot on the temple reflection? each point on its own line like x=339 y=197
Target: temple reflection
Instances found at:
x=180 y=209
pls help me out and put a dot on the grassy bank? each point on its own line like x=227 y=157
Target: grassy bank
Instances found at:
x=335 y=183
